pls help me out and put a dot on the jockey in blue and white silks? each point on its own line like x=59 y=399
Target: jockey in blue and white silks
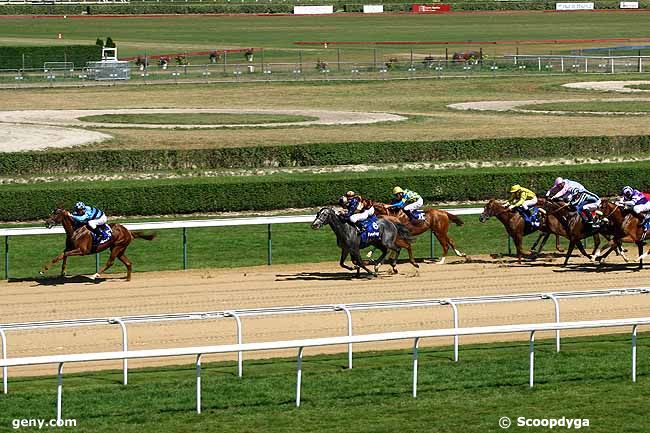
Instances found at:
x=635 y=199
x=583 y=200
x=562 y=189
x=358 y=208
x=91 y=216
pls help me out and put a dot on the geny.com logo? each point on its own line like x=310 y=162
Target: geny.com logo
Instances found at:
x=41 y=423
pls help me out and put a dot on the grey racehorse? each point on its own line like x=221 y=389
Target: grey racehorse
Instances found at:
x=392 y=237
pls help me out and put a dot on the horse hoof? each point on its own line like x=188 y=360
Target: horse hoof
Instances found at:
x=41 y=272
x=441 y=261
x=94 y=277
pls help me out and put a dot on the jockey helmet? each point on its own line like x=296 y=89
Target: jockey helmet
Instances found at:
x=398 y=190
x=627 y=191
x=80 y=205
x=558 y=181
x=350 y=194
x=515 y=188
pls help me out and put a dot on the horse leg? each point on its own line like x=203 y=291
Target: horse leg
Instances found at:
x=114 y=253
x=401 y=243
x=380 y=261
x=64 y=266
x=558 y=248
x=539 y=238
x=596 y=250
x=356 y=256
x=129 y=266
x=344 y=255
x=63 y=255
x=569 y=252
x=640 y=246
x=394 y=261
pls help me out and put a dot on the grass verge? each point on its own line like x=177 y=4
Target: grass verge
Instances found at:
x=589 y=379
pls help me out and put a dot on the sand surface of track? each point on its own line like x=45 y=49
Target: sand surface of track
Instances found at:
x=40 y=129
x=205 y=290
x=513 y=106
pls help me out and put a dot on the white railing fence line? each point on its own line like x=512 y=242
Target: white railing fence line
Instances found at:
x=186 y=224
x=60 y=360
x=308 y=309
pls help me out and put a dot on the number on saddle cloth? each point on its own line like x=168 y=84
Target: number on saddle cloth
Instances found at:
x=369 y=231
x=418 y=215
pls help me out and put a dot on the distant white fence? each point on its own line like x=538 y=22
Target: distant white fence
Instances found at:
x=186 y=224
x=237 y=315
x=416 y=336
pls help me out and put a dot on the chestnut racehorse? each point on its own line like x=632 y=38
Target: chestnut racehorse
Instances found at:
x=79 y=242
x=626 y=226
x=515 y=226
x=435 y=220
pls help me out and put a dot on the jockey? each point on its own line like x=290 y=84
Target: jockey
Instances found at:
x=522 y=198
x=93 y=217
x=359 y=209
x=407 y=200
x=583 y=200
x=562 y=188
x=634 y=199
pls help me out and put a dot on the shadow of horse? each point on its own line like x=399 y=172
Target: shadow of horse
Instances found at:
x=56 y=281
x=320 y=276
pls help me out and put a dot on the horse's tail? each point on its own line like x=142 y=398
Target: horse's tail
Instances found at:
x=142 y=235
x=453 y=218
x=404 y=233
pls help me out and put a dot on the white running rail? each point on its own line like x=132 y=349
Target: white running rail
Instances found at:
x=555 y=297
x=60 y=360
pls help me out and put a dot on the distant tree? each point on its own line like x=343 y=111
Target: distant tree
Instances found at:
x=99 y=42
x=109 y=43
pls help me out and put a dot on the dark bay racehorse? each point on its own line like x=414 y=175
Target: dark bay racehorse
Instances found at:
x=562 y=220
x=515 y=226
x=626 y=226
x=437 y=221
x=392 y=237
x=79 y=242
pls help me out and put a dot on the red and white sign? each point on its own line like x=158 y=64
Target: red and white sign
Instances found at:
x=313 y=10
x=430 y=8
x=574 y=6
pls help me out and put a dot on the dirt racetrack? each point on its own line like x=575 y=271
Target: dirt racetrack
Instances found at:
x=286 y=285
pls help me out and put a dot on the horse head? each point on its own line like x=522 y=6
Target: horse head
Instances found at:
x=323 y=217
x=492 y=208
x=56 y=217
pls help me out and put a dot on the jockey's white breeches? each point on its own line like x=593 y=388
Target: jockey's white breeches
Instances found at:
x=362 y=216
x=529 y=203
x=640 y=208
x=591 y=206
x=98 y=222
x=415 y=205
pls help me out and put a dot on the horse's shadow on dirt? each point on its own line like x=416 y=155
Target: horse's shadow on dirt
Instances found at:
x=58 y=281
x=323 y=276
x=598 y=268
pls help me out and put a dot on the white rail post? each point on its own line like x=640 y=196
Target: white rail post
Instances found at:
x=5 y=370
x=455 y=310
x=634 y=353
x=198 y=383
x=586 y=65
x=416 y=343
x=562 y=63
x=531 y=379
x=240 y=357
x=611 y=59
x=348 y=314
x=299 y=376
x=125 y=348
x=556 y=303
x=59 y=391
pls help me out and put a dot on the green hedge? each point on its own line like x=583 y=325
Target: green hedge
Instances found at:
x=256 y=193
x=319 y=154
x=257 y=8
x=20 y=57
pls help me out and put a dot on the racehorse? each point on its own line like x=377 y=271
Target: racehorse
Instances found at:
x=79 y=242
x=392 y=237
x=435 y=220
x=626 y=227
x=516 y=226
x=562 y=220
